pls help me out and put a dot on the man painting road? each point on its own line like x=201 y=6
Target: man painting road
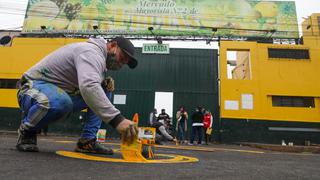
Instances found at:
x=68 y=80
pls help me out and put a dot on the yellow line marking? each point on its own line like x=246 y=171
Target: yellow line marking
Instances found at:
x=204 y=149
x=173 y=158
x=209 y=149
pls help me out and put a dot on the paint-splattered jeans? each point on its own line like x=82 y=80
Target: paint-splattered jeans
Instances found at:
x=42 y=102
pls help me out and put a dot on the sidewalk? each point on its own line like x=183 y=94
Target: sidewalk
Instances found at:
x=280 y=148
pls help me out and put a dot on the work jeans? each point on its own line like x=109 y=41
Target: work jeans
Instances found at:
x=42 y=102
x=196 y=130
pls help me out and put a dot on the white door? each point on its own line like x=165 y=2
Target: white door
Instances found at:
x=164 y=100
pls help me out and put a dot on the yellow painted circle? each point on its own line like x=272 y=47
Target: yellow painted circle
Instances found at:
x=172 y=158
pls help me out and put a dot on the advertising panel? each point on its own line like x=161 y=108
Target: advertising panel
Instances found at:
x=198 y=18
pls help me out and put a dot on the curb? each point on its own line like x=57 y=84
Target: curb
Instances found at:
x=280 y=148
x=2 y=132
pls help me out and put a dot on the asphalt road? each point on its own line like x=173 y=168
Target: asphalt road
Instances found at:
x=220 y=162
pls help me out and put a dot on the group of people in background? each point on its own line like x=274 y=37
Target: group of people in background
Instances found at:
x=201 y=122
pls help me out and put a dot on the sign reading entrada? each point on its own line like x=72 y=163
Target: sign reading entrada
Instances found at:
x=155 y=49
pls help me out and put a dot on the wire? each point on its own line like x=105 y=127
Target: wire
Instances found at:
x=243 y=20
x=168 y=24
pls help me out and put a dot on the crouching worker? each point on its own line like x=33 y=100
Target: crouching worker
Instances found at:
x=161 y=133
x=69 y=80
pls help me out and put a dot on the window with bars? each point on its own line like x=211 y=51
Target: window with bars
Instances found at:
x=293 y=101
x=288 y=53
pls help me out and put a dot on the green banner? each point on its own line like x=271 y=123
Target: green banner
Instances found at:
x=244 y=18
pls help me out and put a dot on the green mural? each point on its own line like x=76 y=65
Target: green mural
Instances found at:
x=168 y=17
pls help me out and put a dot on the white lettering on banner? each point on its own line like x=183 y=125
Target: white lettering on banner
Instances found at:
x=154 y=7
x=168 y=7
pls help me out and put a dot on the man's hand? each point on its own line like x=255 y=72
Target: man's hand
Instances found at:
x=128 y=131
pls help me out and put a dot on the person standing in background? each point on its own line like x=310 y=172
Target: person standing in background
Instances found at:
x=197 y=125
x=181 y=126
x=163 y=116
x=152 y=117
x=207 y=125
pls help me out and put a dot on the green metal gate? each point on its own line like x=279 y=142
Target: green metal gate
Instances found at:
x=191 y=74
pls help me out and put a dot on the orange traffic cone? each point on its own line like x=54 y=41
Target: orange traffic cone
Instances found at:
x=135 y=119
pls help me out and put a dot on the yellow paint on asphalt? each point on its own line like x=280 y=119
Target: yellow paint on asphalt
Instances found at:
x=169 y=158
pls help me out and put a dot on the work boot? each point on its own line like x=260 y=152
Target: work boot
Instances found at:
x=85 y=145
x=27 y=141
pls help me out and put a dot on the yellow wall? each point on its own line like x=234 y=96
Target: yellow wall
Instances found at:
x=272 y=77
x=20 y=56
x=25 y=52
x=8 y=98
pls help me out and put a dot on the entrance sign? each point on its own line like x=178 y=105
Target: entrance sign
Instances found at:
x=155 y=49
x=244 y=18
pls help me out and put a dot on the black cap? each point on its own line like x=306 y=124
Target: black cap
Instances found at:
x=128 y=48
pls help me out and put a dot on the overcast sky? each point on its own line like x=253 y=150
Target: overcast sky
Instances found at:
x=12 y=12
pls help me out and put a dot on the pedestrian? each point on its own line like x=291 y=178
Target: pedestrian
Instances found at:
x=153 y=117
x=207 y=125
x=197 y=125
x=69 y=80
x=181 y=126
x=163 y=117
